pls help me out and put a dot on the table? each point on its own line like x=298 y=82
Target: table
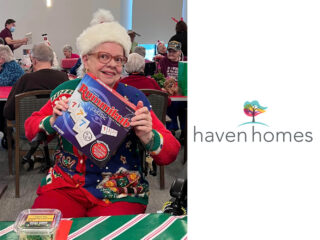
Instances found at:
x=4 y=93
x=142 y=226
x=179 y=98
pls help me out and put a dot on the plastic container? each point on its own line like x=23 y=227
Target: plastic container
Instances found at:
x=37 y=224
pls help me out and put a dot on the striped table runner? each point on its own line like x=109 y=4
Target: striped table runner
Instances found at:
x=142 y=226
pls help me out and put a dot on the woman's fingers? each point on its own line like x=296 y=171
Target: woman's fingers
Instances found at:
x=60 y=106
x=144 y=129
x=141 y=123
x=139 y=104
x=142 y=116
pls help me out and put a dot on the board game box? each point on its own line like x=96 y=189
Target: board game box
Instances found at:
x=97 y=120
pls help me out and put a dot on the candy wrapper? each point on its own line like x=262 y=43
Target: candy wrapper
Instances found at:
x=97 y=120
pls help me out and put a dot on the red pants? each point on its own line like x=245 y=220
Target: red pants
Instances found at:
x=73 y=203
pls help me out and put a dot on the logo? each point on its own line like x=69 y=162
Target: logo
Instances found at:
x=253 y=109
x=100 y=150
x=253 y=134
x=87 y=136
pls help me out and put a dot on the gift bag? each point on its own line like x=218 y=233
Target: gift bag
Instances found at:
x=183 y=77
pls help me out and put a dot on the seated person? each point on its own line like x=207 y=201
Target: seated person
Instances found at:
x=75 y=68
x=42 y=77
x=67 y=52
x=135 y=68
x=168 y=65
x=70 y=58
x=150 y=67
x=161 y=51
x=142 y=51
x=75 y=185
x=10 y=70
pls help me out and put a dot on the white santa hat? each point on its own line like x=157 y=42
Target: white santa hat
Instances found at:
x=102 y=29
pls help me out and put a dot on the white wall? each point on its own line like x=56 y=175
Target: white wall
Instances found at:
x=155 y=23
x=66 y=19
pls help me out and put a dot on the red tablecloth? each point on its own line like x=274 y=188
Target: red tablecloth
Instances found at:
x=4 y=93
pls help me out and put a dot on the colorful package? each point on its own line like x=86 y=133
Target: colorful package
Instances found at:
x=39 y=224
x=97 y=121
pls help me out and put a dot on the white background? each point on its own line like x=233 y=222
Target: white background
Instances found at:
x=243 y=51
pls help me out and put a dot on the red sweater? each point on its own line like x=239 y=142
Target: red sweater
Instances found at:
x=140 y=81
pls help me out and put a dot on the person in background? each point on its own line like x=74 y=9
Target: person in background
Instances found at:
x=132 y=35
x=150 y=67
x=75 y=68
x=181 y=36
x=161 y=51
x=6 y=35
x=161 y=48
x=135 y=68
x=75 y=185
x=55 y=64
x=67 y=51
x=43 y=77
x=169 y=68
x=141 y=51
x=10 y=70
x=168 y=65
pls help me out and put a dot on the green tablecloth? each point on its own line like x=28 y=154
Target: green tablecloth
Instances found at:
x=142 y=226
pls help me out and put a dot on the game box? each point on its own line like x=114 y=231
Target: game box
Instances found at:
x=97 y=120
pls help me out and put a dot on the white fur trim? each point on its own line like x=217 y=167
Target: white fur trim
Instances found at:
x=103 y=32
x=101 y=16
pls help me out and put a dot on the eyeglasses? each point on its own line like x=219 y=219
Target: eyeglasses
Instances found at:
x=105 y=58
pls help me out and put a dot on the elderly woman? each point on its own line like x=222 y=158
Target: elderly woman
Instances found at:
x=161 y=51
x=135 y=68
x=161 y=48
x=10 y=70
x=67 y=51
x=77 y=186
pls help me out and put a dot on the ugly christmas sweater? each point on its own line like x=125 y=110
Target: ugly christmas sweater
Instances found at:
x=121 y=179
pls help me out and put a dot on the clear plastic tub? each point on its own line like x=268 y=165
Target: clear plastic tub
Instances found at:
x=37 y=224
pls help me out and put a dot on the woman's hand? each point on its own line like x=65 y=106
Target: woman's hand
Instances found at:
x=142 y=123
x=60 y=106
